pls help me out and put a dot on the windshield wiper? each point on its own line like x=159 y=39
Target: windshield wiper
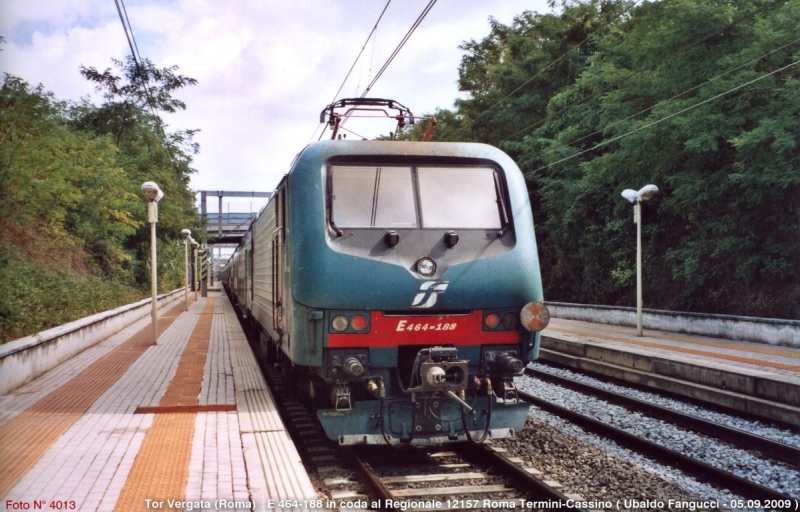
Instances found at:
x=502 y=205
x=336 y=229
x=375 y=196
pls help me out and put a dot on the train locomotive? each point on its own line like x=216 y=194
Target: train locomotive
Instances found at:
x=397 y=285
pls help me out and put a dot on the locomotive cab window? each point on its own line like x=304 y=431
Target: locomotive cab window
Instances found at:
x=459 y=198
x=447 y=197
x=373 y=197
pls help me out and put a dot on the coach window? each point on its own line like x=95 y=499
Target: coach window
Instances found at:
x=372 y=197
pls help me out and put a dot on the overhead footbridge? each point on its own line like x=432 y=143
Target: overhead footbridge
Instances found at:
x=227 y=228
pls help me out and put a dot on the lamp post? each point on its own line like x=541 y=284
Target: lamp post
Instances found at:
x=195 y=246
x=186 y=234
x=153 y=194
x=636 y=197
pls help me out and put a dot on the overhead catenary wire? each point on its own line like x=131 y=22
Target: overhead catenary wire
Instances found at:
x=394 y=54
x=607 y=127
x=137 y=58
x=371 y=33
x=651 y=66
x=126 y=26
x=399 y=47
x=396 y=51
x=128 y=22
x=653 y=123
x=128 y=35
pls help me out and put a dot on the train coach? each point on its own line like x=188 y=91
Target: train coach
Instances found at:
x=397 y=284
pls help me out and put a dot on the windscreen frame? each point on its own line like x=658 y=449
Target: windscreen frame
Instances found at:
x=505 y=217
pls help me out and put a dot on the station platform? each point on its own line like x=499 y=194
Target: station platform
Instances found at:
x=752 y=378
x=128 y=425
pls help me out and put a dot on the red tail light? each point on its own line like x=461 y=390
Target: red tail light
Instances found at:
x=358 y=323
x=492 y=320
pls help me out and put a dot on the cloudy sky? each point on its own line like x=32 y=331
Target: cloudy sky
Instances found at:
x=266 y=68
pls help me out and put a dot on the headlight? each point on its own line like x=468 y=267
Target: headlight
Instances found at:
x=535 y=316
x=340 y=323
x=349 y=322
x=426 y=266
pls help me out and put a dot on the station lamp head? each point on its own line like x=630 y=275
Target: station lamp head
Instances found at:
x=186 y=234
x=647 y=192
x=151 y=191
x=630 y=195
x=642 y=194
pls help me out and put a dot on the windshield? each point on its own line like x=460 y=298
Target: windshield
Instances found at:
x=459 y=197
x=373 y=197
x=410 y=197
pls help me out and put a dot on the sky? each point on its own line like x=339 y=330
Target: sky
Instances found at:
x=265 y=68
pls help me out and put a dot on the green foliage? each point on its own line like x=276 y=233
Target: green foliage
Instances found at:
x=171 y=265
x=446 y=130
x=70 y=178
x=608 y=96
x=38 y=297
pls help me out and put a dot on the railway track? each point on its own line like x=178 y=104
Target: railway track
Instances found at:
x=472 y=477
x=699 y=470
x=453 y=477
x=450 y=477
x=768 y=447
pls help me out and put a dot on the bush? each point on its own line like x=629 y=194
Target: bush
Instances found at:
x=37 y=298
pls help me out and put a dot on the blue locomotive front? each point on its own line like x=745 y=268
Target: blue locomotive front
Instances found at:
x=398 y=286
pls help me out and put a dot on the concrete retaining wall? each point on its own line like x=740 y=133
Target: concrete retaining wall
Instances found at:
x=25 y=359
x=744 y=328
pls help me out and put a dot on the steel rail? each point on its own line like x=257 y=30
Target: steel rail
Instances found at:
x=377 y=489
x=697 y=469
x=745 y=440
x=531 y=487
x=522 y=479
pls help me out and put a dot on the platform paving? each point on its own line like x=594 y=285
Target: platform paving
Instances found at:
x=128 y=425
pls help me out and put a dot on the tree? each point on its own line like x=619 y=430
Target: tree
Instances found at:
x=512 y=74
x=147 y=151
x=73 y=230
x=144 y=88
x=661 y=97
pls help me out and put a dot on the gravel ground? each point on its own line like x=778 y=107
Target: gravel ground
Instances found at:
x=746 y=464
x=755 y=427
x=592 y=471
x=600 y=470
x=614 y=478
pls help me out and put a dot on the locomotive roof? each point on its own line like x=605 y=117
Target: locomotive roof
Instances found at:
x=321 y=151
